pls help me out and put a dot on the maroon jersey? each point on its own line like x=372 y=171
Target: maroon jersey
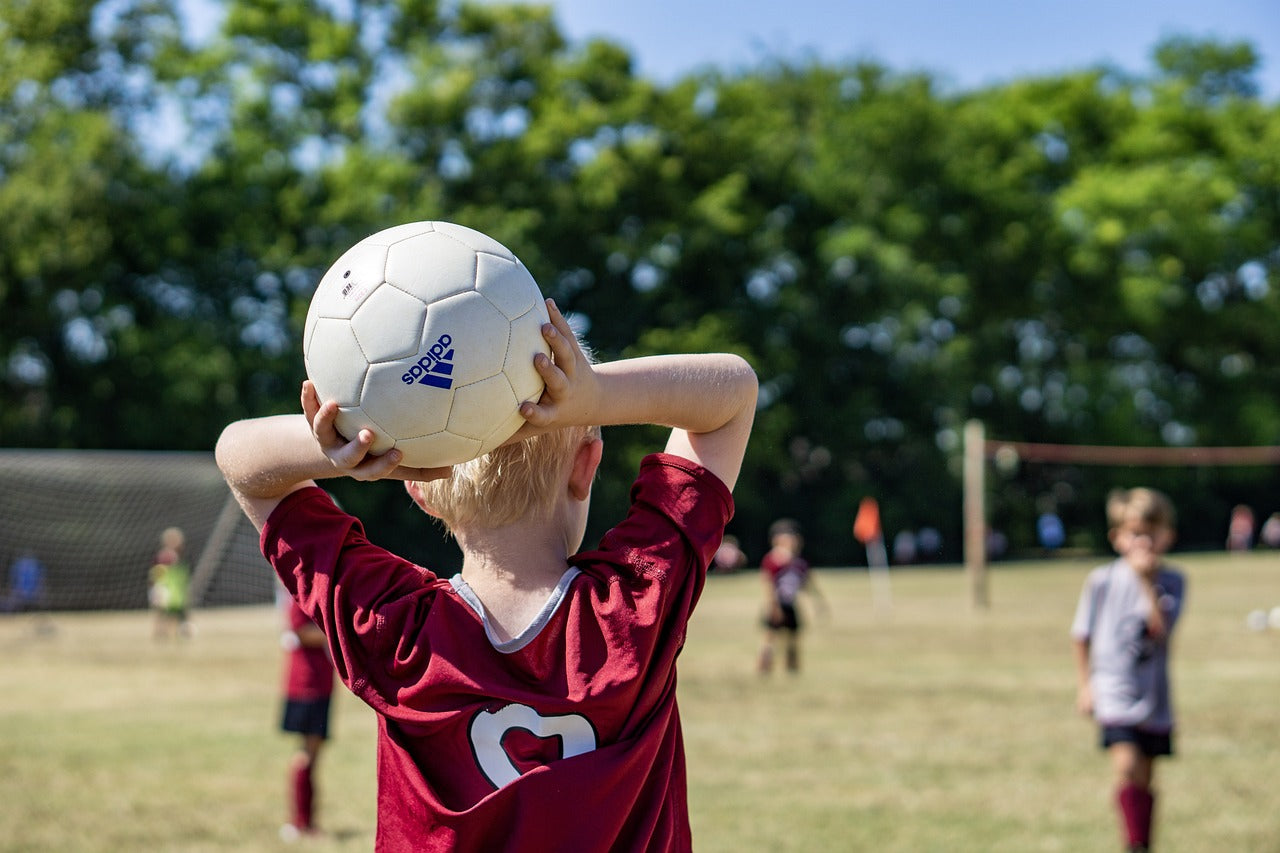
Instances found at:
x=308 y=671
x=788 y=576
x=566 y=737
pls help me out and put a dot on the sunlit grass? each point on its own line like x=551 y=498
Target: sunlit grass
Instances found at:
x=927 y=726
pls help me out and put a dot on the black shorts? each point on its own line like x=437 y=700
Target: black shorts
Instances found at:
x=306 y=716
x=788 y=620
x=1149 y=743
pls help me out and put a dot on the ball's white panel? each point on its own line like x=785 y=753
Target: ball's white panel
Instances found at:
x=504 y=431
x=335 y=363
x=396 y=233
x=389 y=324
x=434 y=451
x=526 y=342
x=351 y=420
x=476 y=332
x=479 y=408
x=477 y=240
x=405 y=406
x=349 y=281
x=431 y=266
x=307 y=329
x=507 y=284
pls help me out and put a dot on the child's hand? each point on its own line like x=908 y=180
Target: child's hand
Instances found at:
x=1143 y=546
x=352 y=458
x=572 y=393
x=1144 y=559
x=1084 y=700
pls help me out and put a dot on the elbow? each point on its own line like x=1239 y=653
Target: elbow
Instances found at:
x=745 y=380
x=226 y=453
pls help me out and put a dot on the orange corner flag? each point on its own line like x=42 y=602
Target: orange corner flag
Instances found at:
x=866 y=527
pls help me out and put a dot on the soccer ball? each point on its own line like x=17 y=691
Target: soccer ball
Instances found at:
x=425 y=334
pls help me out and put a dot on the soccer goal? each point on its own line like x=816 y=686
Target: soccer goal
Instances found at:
x=979 y=450
x=93 y=521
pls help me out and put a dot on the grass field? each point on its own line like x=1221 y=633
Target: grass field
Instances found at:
x=926 y=727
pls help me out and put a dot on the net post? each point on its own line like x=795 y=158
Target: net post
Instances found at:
x=975 y=512
x=211 y=556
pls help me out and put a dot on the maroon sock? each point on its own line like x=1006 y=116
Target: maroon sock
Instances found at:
x=304 y=793
x=1136 y=807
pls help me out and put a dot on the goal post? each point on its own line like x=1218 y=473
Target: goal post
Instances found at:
x=978 y=450
x=975 y=512
x=93 y=520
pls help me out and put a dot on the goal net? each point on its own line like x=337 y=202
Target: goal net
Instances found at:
x=93 y=521
x=980 y=450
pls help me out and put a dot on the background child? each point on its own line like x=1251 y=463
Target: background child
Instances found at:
x=1240 y=529
x=1127 y=611
x=527 y=703
x=785 y=574
x=308 y=688
x=169 y=578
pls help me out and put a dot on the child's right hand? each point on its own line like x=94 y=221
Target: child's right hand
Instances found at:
x=352 y=458
x=572 y=392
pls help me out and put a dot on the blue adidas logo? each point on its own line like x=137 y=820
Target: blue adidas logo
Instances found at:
x=435 y=368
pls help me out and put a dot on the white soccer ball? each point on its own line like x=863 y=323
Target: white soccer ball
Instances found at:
x=425 y=334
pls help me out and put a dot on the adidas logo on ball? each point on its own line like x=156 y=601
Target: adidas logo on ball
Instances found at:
x=436 y=367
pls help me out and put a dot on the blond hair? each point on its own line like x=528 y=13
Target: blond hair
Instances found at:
x=1142 y=504
x=515 y=482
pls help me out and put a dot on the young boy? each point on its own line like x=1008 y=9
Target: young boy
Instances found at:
x=785 y=574
x=308 y=689
x=1126 y=614
x=168 y=591
x=527 y=703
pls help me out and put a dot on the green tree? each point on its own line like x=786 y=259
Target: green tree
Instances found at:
x=1083 y=257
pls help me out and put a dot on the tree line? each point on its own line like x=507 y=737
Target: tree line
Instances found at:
x=1085 y=257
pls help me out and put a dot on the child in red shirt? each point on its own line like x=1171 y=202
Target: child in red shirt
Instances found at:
x=786 y=574
x=308 y=688
x=527 y=703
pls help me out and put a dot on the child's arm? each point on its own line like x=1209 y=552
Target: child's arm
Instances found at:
x=310 y=636
x=264 y=459
x=1156 y=627
x=708 y=400
x=772 y=607
x=1084 y=693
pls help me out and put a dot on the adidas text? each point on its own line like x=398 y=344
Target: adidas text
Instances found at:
x=435 y=368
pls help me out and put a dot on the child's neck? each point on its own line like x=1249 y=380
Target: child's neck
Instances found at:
x=512 y=570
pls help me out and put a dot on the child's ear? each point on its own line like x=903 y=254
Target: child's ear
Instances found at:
x=414 y=488
x=585 y=464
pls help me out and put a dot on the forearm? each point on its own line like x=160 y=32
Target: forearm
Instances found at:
x=709 y=401
x=696 y=393
x=268 y=457
x=1156 y=626
x=311 y=637
x=1080 y=650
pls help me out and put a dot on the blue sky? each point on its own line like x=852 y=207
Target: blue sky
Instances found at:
x=966 y=44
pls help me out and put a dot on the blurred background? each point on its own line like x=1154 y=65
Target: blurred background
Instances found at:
x=1062 y=221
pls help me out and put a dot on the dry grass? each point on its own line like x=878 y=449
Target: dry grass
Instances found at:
x=927 y=727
